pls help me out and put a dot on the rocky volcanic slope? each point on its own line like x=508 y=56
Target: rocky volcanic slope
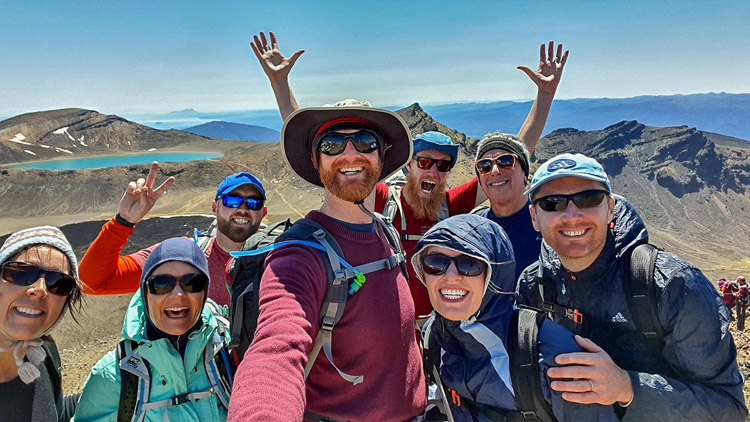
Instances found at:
x=692 y=194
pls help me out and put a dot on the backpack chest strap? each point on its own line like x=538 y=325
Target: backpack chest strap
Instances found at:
x=392 y=261
x=405 y=236
x=178 y=400
x=333 y=310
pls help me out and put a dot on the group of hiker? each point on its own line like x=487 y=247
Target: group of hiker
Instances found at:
x=548 y=304
x=736 y=296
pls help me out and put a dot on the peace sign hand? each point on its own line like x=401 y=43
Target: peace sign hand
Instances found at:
x=274 y=64
x=140 y=196
x=547 y=77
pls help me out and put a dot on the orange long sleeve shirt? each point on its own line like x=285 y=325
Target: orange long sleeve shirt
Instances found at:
x=104 y=272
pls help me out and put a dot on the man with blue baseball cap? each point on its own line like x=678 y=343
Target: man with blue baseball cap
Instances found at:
x=653 y=328
x=239 y=207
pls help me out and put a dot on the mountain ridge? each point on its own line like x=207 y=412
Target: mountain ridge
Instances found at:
x=691 y=192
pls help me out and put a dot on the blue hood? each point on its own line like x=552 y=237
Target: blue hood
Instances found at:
x=482 y=239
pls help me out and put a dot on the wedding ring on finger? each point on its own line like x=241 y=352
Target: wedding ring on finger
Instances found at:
x=592 y=385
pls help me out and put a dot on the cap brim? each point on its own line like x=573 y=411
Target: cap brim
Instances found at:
x=425 y=145
x=559 y=174
x=300 y=127
x=235 y=186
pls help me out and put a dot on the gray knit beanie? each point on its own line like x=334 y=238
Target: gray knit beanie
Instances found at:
x=505 y=142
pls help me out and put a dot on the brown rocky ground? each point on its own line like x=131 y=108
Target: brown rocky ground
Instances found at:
x=742 y=340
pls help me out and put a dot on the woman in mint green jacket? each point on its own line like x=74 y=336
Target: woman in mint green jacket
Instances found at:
x=172 y=362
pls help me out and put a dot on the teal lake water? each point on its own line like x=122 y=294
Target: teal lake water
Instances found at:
x=116 y=160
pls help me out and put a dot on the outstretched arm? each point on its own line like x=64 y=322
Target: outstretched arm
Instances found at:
x=102 y=269
x=277 y=68
x=546 y=78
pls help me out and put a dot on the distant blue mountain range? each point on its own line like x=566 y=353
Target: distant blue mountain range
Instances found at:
x=189 y=118
x=727 y=114
x=235 y=131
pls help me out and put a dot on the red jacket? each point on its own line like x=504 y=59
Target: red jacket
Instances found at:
x=727 y=293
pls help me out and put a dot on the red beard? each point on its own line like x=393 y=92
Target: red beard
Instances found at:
x=424 y=209
x=352 y=190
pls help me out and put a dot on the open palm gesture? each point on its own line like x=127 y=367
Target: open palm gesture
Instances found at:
x=274 y=64
x=140 y=196
x=551 y=65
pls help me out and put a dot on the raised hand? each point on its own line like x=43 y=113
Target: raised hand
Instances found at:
x=140 y=196
x=590 y=376
x=274 y=64
x=547 y=77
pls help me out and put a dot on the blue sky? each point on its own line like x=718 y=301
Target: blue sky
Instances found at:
x=157 y=56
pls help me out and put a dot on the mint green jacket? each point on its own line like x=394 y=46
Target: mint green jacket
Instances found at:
x=171 y=375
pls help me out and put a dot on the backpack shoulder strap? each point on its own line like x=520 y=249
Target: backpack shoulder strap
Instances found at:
x=336 y=292
x=524 y=364
x=393 y=206
x=443 y=212
x=132 y=369
x=431 y=362
x=393 y=239
x=218 y=366
x=640 y=293
x=203 y=238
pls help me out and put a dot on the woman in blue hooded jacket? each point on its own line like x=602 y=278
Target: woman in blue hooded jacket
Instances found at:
x=171 y=350
x=466 y=262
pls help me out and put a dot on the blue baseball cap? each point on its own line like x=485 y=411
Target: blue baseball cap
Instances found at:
x=436 y=141
x=236 y=180
x=568 y=165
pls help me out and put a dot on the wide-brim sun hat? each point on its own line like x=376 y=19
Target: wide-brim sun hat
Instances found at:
x=568 y=165
x=300 y=127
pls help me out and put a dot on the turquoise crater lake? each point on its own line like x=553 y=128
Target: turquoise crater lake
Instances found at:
x=115 y=160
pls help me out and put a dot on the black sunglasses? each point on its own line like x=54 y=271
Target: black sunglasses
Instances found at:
x=426 y=163
x=26 y=274
x=437 y=263
x=583 y=200
x=505 y=161
x=162 y=284
x=235 y=201
x=334 y=143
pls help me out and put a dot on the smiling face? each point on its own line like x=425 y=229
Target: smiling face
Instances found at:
x=454 y=296
x=28 y=312
x=503 y=187
x=237 y=224
x=176 y=312
x=351 y=175
x=577 y=235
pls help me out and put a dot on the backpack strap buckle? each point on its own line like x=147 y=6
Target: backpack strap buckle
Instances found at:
x=574 y=315
x=178 y=400
x=327 y=324
x=529 y=415
x=393 y=261
x=339 y=276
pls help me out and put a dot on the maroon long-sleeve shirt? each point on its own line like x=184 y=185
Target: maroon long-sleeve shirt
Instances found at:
x=374 y=338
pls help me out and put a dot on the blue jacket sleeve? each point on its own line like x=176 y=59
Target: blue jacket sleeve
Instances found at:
x=698 y=347
x=554 y=340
